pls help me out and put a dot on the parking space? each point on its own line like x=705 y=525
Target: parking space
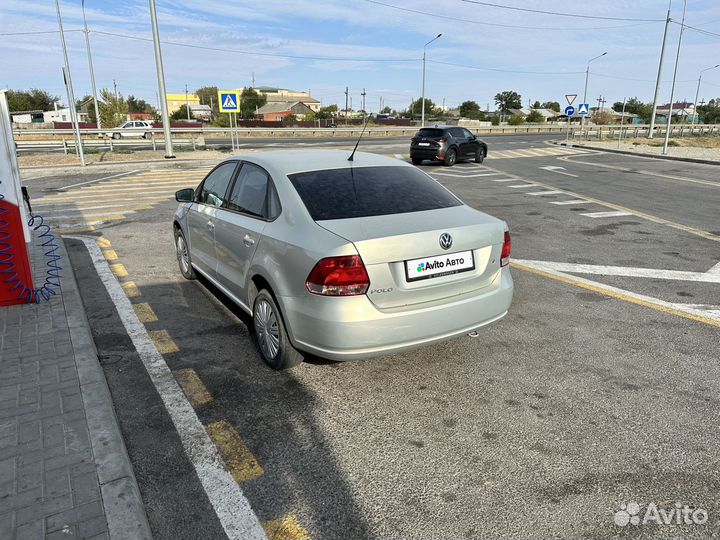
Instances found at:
x=596 y=390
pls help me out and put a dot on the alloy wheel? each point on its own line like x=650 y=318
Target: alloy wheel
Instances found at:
x=266 y=327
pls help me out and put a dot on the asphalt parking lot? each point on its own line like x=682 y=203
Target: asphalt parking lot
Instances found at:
x=597 y=390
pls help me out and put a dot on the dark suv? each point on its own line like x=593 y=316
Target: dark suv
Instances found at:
x=447 y=144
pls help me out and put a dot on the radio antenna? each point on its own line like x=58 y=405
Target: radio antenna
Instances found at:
x=360 y=137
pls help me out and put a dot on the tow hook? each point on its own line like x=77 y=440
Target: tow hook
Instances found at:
x=474 y=333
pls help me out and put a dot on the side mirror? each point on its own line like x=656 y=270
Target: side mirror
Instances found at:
x=185 y=195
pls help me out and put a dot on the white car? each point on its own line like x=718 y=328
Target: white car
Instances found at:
x=135 y=128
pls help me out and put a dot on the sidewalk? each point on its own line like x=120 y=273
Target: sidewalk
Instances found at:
x=64 y=470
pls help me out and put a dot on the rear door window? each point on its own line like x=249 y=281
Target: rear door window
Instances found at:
x=369 y=191
x=430 y=133
x=216 y=184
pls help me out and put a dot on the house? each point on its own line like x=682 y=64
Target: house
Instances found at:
x=201 y=112
x=26 y=117
x=147 y=117
x=63 y=115
x=175 y=101
x=276 y=111
x=282 y=95
x=683 y=109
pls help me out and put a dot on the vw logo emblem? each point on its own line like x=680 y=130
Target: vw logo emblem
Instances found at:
x=445 y=241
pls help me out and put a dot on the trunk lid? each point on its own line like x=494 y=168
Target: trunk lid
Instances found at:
x=387 y=242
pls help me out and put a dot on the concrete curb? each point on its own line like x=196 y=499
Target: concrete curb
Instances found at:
x=638 y=154
x=124 y=509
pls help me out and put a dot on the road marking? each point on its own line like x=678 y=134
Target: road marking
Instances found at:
x=154 y=195
x=193 y=387
x=551 y=192
x=98 y=180
x=471 y=175
x=613 y=213
x=106 y=216
x=119 y=270
x=163 y=342
x=503 y=180
x=558 y=170
x=103 y=242
x=227 y=499
x=110 y=254
x=572 y=201
x=145 y=313
x=238 y=457
x=625 y=271
x=535 y=267
x=74 y=208
x=72 y=229
x=522 y=186
x=399 y=156
x=287 y=528
x=131 y=289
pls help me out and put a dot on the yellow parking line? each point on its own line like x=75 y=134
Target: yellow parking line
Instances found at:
x=74 y=230
x=119 y=270
x=103 y=242
x=287 y=528
x=163 y=342
x=145 y=313
x=238 y=458
x=568 y=280
x=110 y=254
x=193 y=387
x=131 y=290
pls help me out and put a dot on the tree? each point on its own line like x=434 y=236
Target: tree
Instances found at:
x=290 y=120
x=417 y=108
x=113 y=110
x=139 y=105
x=603 y=118
x=326 y=113
x=386 y=110
x=87 y=99
x=180 y=114
x=534 y=117
x=536 y=105
x=635 y=106
x=470 y=109
x=516 y=120
x=30 y=100
x=250 y=101
x=552 y=105
x=508 y=100
x=310 y=116
x=208 y=96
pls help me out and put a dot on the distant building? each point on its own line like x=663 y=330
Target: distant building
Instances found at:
x=141 y=116
x=27 y=117
x=282 y=95
x=547 y=114
x=273 y=112
x=63 y=115
x=683 y=109
x=201 y=112
x=175 y=101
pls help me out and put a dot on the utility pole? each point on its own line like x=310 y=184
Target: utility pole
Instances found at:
x=252 y=78
x=187 y=104
x=363 y=102
x=587 y=76
x=115 y=86
x=161 y=82
x=346 y=104
x=672 y=89
x=659 y=75
x=92 y=72
x=697 y=93
x=68 y=85
x=422 y=117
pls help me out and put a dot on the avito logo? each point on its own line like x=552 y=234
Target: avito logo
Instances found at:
x=433 y=265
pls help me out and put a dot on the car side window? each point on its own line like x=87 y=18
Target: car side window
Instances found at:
x=467 y=134
x=457 y=133
x=216 y=185
x=249 y=195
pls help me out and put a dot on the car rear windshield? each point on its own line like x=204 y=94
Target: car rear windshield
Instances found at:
x=431 y=133
x=369 y=191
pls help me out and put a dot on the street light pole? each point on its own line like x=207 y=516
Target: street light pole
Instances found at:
x=651 y=132
x=92 y=72
x=697 y=93
x=161 y=83
x=422 y=117
x=68 y=84
x=587 y=76
x=672 y=90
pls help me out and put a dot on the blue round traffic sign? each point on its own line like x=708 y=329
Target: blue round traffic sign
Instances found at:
x=569 y=110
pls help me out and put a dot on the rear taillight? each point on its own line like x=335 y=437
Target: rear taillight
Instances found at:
x=507 y=248
x=441 y=141
x=338 y=276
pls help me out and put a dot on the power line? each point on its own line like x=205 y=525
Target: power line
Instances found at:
x=635 y=80
x=38 y=32
x=507 y=70
x=277 y=55
x=699 y=30
x=560 y=14
x=500 y=25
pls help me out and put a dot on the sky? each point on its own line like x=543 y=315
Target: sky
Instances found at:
x=325 y=46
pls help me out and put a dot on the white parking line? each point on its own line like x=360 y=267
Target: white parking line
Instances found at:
x=613 y=213
x=227 y=499
x=521 y=186
x=98 y=180
x=504 y=180
x=553 y=192
x=573 y=201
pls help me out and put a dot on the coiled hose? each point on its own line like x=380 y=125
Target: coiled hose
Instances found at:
x=8 y=267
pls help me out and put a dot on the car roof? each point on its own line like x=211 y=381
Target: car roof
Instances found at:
x=295 y=161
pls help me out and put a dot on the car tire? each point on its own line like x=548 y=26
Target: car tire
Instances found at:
x=146 y=136
x=116 y=136
x=270 y=335
x=480 y=154
x=416 y=160
x=450 y=158
x=183 y=255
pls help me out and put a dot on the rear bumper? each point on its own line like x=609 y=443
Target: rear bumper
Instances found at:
x=426 y=153
x=352 y=328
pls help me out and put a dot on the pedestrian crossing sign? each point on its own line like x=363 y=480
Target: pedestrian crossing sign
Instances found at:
x=229 y=101
x=583 y=109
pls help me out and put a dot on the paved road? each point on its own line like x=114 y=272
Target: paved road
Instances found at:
x=599 y=388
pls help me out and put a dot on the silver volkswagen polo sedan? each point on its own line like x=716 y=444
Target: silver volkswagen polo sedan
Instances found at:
x=343 y=259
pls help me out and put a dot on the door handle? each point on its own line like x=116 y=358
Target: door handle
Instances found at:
x=210 y=225
x=248 y=240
